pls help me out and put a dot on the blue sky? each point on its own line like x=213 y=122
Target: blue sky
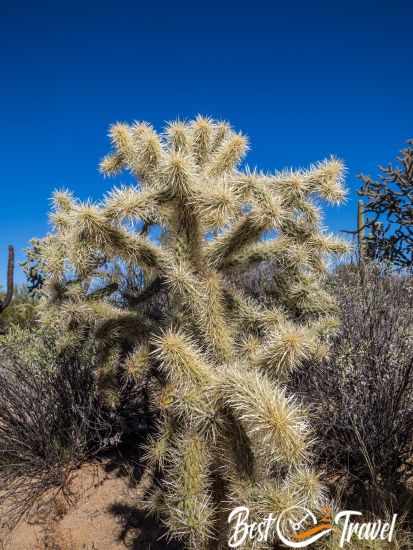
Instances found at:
x=303 y=79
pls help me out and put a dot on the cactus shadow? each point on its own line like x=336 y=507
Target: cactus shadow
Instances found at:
x=139 y=532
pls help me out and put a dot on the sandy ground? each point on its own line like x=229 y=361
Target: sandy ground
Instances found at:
x=104 y=514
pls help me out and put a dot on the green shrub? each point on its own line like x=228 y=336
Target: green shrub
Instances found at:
x=21 y=311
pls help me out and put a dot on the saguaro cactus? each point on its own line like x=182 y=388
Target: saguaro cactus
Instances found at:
x=10 y=280
x=361 y=231
x=214 y=362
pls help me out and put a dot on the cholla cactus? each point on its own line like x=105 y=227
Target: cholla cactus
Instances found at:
x=214 y=362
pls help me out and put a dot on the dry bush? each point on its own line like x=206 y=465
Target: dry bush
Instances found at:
x=363 y=396
x=50 y=422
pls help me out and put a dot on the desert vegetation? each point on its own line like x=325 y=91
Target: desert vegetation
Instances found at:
x=362 y=394
x=199 y=323
x=387 y=212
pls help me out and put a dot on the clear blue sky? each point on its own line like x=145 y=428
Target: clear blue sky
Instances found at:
x=303 y=79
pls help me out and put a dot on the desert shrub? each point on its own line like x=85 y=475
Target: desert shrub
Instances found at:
x=17 y=305
x=21 y=311
x=362 y=394
x=50 y=422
